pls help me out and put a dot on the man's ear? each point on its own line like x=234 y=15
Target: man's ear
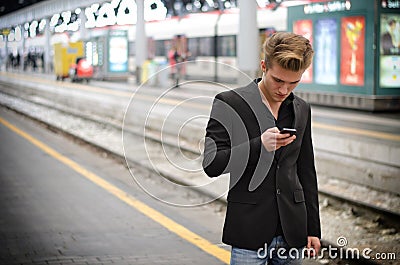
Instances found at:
x=263 y=66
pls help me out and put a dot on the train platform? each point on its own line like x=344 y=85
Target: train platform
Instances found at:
x=64 y=203
x=96 y=114
x=109 y=172
x=366 y=144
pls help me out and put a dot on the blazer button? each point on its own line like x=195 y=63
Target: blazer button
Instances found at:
x=278 y=191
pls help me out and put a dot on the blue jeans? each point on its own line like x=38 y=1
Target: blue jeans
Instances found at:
x=277 y=253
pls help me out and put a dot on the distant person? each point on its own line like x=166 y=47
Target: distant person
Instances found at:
x=10 y=61
x=175 y=58
x=29 y=58
x=34 y=62
x=42 y=61
x=17 y=59
x=272 y=212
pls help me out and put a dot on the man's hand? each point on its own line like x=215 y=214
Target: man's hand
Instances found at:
x=313 y=246
x=273 y=140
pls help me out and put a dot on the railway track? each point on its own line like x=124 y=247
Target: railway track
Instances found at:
x=188 y=147
x=61 y=119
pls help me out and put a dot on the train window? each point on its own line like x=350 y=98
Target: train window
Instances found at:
x=193 y=46
x=160 y=48
x=203 y=46
x=226 y=45
x=206 y=46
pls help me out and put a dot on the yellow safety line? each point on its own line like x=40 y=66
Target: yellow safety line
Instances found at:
x=158 y=217
x=354 y=131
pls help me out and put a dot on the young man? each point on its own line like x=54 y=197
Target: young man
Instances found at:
x=272 y=211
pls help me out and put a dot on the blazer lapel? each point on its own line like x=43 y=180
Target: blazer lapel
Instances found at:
x=251 y=95
x=297 y=118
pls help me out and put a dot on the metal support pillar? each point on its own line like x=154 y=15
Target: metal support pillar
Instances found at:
x=141 y=39
x=83 y=32
x=47 y=49
x=22 y=51
x=7 y=58
x=248 y=41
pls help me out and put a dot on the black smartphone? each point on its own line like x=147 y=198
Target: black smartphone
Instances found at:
x=289 y=131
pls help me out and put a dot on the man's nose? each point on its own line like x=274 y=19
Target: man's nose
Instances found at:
x=284 y=88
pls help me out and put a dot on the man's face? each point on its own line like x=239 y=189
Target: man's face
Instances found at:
x=279 y=82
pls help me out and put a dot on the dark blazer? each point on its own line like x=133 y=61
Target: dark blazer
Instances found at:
x=262 y=188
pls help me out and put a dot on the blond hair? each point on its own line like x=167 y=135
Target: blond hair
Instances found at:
x=290 y=51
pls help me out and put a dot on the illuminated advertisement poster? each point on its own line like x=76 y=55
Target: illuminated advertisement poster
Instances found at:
x=390 y=51
x=325 y=51
x=352 y=52
x=304 y=28
x=118 y=52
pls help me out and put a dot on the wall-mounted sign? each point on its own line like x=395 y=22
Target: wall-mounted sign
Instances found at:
x=66 y=21
x=5 y=32
x=305 y=29
x=325 y=62
x=123 y=12
x=352 y=51
x=116 y=12
x=390 y=3
x=333 y=6
x=118 y=51
x=390 y=51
